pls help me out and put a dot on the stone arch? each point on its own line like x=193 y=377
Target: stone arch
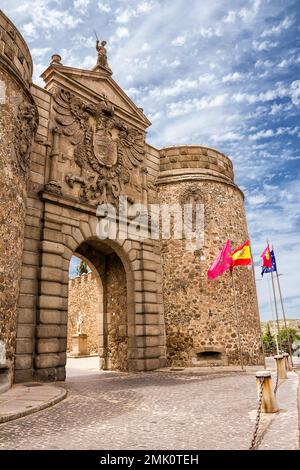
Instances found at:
x=118 y=326
x=66 y=230
x=86 y=300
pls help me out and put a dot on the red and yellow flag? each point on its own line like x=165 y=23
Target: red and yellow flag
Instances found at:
x=266 y=256
x=242 y=255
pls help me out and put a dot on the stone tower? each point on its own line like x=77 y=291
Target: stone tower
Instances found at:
x=18 y=123
x=201 y=326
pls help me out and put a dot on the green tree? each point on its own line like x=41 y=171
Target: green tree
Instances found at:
x=82 y=268
x=269 y=341
x=290 y=333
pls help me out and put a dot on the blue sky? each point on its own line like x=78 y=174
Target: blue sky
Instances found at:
x=219 y=73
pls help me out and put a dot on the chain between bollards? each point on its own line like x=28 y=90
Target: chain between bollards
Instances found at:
x=277 y=382
x=255 y=433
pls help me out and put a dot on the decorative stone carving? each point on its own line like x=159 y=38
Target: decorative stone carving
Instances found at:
x=26 y=126
x=105 y=149
x=190 y=195
x=54 y=186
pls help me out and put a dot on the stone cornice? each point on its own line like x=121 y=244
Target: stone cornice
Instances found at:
x=163 y=179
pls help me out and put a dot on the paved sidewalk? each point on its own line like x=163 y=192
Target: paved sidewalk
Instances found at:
x=27 y=398
x=198 y=408
x=281 y=430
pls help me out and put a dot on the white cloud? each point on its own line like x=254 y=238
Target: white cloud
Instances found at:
x=44 y=17
x=38 y=52
x=232 y=77
x=264 y=45
x=279 y=92
x=81 y=5
x=227 y=136
x=249 y=13
x=184 y=107
x=262 y=134
x=179 y=41
x=122 y=32
x=295 y=92
x=283 y=25
x=231 y=17
x=104 y=7
x=125 y=15
x=263 y=63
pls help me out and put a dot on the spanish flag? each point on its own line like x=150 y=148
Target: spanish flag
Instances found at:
x=242 y=255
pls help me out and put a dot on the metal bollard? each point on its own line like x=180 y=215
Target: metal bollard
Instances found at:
x=281 y=368
x=288 y=362
x=269 y=404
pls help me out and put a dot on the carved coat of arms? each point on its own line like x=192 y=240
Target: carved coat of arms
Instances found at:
x=105 y=148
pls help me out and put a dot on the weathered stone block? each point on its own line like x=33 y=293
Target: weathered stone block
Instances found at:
x=50 y=288
x=49 y=302
x=25 y=331
x=30 y=258
x=47 y=316
x=26 y=315
x=44 y=361
x=51 y=274
x=27 y=301
x=47 y=345
x=28 y=286
x=47 y=331
x=52 y=247
x=24 y=346
x=23 y=361
x=52 y=260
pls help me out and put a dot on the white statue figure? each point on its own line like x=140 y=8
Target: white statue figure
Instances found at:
x=79 y=324
x=2 y=352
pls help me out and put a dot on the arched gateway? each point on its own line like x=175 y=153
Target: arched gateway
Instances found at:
x=75 y=145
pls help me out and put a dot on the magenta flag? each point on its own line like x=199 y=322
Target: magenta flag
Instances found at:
x=221 y=263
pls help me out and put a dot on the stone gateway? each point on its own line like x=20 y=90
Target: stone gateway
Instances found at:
x=68 y=147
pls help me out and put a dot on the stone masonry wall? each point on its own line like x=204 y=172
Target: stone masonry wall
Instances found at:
x=116 y=313
x=85 y=298
x=199 y=313
x=18 y=121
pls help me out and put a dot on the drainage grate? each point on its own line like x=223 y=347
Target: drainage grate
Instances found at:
x=33 y=385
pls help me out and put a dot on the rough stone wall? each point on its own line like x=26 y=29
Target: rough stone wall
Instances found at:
x=116 y=308
x=199 y=313
x=85 y=298
x=18 y=120
x=34 y=224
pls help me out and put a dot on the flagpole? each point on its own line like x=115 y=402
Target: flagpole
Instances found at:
x=257 y=306
x=276 y=311
x=275 y=303
x=283 y=311
x=237 y=320
x=273 y=324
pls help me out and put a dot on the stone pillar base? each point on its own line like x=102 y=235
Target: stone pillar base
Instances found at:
x=79 y=345
x=269 y=404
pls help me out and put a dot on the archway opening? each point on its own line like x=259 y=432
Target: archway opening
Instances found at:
x=97 y=311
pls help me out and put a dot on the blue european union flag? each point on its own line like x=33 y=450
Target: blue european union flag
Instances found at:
x=266 y=270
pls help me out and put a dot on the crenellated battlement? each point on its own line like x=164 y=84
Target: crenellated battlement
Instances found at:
x=14 y=51
x=194 y=160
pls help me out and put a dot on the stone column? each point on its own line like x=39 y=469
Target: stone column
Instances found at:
x=269 y=404
x=18 y=124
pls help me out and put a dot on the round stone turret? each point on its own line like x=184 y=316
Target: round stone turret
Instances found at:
x=188 y=162
x=18 y=123
x=14 y=51
x=200 y=319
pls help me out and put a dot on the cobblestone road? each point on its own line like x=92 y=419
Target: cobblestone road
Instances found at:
x=148 y=411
